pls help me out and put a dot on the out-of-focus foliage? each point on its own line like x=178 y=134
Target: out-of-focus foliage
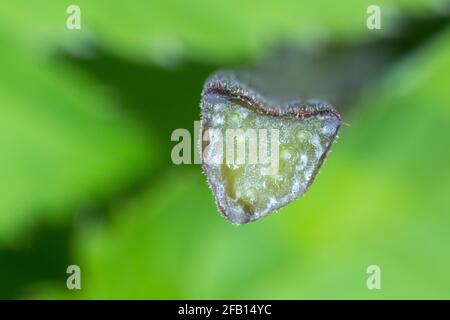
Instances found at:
x=216 y=31
x=61 y=142
x=98 y=132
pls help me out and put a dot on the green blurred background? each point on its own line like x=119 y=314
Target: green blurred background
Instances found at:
x=86 y=176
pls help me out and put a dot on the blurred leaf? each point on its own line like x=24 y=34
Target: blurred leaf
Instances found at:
x=173 y=243
x=216 y=31
x=61 y=140
x=381 y=198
